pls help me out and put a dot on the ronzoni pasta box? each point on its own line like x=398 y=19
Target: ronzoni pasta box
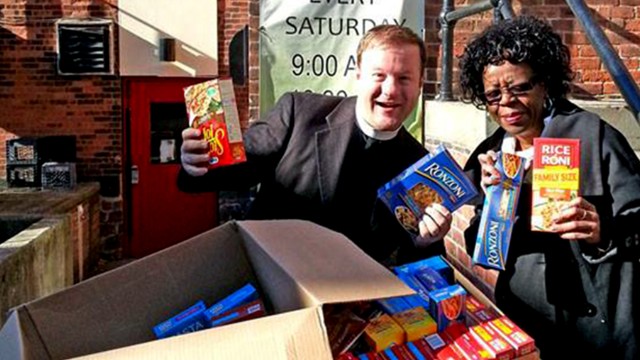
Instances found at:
x=436 y=177
x=212 y=108
x=556 y=178
x=498 y=213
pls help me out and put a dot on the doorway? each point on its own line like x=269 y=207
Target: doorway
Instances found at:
x=160 y=214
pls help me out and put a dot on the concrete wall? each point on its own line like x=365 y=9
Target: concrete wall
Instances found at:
x=36 y=262
x=461 y=127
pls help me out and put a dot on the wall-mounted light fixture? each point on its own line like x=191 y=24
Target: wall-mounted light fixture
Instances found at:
x=167 y=49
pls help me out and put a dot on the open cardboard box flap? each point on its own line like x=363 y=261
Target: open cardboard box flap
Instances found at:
x=295 y=265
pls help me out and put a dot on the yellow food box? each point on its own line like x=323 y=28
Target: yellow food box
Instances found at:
x=416 y=323
x=383 y=332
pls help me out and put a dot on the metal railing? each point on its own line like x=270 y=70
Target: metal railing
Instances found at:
x=448 y=18
x=503 y=10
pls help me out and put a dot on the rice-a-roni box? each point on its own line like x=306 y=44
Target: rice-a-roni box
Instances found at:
x=212 y=108
x=556 y=178
x=498 y=213
x=435 y=178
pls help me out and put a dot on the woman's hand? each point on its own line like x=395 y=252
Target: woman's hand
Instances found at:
x=434 y=225
x=578 y=220
x=193 y=151
x=489 y=174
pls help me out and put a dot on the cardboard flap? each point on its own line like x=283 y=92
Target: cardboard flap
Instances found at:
x=326 y=266
x=294 y=335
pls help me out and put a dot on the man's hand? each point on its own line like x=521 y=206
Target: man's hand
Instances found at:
x=194 y=150
x=434 y=225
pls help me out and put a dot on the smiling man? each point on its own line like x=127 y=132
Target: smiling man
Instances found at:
x=322 y=158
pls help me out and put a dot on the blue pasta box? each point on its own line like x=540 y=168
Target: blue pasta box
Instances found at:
x=447 y=305
x=435 y=178
x=436 y=263
x=189 y=320
x=241 y=296
x=430 y=279
x=394 y=305
x=498 y=213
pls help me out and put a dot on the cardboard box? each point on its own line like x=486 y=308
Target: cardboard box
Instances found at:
x=297 y=267
x=212 y=108
x=556 y=178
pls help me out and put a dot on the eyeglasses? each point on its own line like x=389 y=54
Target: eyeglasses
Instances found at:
x=493 y=97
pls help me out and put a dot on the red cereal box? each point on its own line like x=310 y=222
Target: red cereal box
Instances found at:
x=401 y=352
x=492 y=342
x=212 y=108
x=556 y=178
x=481 y=316
x=470 y=348
x=472 y=304
x=517 y=338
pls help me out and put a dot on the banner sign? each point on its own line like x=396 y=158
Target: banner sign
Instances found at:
x=310 y=45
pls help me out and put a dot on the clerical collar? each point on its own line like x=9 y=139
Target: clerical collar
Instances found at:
x=369 y=131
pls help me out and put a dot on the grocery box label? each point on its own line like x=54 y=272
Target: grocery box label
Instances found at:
x=436 y=178
x=212 y=108
x=556 y=178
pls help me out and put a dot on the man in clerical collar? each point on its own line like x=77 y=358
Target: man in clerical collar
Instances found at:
x=322 y=158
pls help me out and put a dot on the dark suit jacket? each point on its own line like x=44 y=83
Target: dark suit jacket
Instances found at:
x=575 y=304
x=295 y=153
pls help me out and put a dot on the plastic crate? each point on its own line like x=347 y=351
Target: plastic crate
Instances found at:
x=58 y=176
x=23 y=176
x=22 y=151
x=38 y=150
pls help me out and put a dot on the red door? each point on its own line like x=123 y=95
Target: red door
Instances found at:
x=161 y=215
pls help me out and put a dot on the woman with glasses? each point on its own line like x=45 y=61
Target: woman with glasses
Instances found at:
x=572 y=289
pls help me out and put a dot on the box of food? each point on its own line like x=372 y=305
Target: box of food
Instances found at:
x=446 y=305
x=187 y=321
x=436 y=178
x=492 y=342
x=498 y=213
x=470 y=348
x=511 y=333
x=111 y=316
x=250 y=310
x=245 y=294
x=212 y=108
x=415 y=322
x=556 y=178
x=382 y=332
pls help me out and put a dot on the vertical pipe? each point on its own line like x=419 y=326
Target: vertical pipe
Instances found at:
x=446 y=35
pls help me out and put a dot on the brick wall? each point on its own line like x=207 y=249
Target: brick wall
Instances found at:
x=36 y=101
x=233 y=15
x=619 y=18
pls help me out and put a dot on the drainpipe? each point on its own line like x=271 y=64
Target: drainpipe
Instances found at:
x=611 y=60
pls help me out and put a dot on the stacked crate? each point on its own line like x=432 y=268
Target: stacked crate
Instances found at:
x=25 y=157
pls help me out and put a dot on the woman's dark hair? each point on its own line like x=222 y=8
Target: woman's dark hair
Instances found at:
x=524 y=39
